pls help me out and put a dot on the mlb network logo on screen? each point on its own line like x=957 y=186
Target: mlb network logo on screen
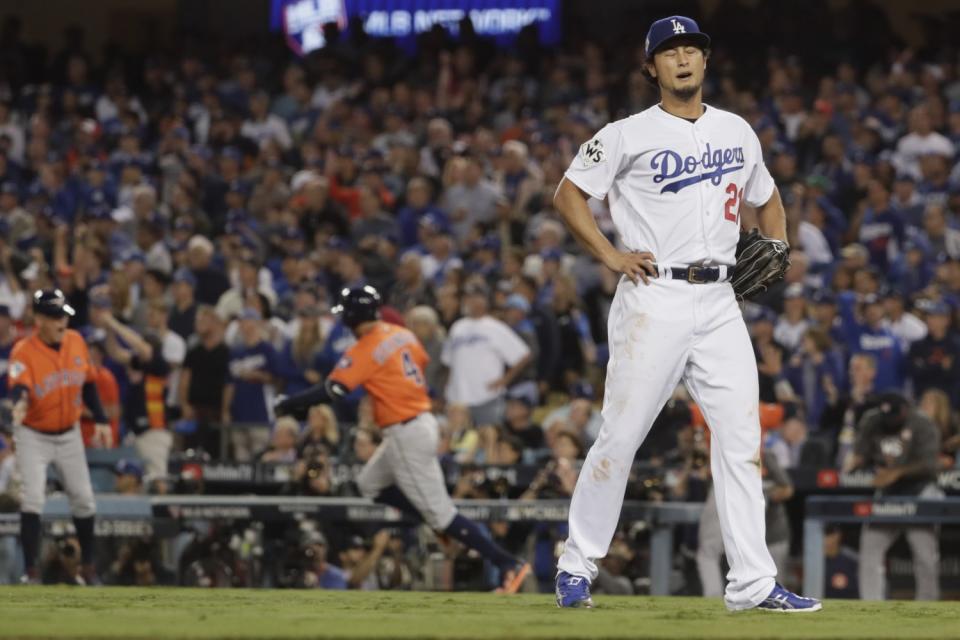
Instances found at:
x=303 y=20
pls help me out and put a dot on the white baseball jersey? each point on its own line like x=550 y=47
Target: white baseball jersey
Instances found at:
x=675 y=186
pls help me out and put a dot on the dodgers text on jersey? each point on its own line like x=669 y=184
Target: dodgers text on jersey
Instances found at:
x=713 y=163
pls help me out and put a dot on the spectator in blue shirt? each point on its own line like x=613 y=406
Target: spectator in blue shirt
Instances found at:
x=248 y=396
x=934 y=361
x=824 y=315
x=907 y=203
x=418 y=205
x=867 y=334
x=300 y=361
x=7 y=338
x=913 y=269
x=320 y=574
x=812 y=370
x=881 y=229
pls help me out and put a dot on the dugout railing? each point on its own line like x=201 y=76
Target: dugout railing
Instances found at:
x=164 y=517
x=822 y=510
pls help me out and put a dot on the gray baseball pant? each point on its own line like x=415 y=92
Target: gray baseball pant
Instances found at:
x=407 y=457
x=876 y=540
x=35 y=451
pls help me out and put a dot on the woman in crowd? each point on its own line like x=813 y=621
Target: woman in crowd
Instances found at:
x=935 y=404
x=300 y=359
x=321 y=432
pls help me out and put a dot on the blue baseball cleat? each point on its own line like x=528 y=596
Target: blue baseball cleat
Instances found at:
x=573 y=591
x=785 y=601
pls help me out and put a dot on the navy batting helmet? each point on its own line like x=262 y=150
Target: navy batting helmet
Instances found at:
x=52 y=303
x=358 y=305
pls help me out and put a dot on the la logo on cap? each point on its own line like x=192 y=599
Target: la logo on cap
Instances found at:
x=678 y=26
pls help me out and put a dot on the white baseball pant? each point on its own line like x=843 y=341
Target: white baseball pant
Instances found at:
x=659 y=334
x=710 y=551
x=35 y=451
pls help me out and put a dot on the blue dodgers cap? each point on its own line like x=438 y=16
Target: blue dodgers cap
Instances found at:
x=239 y=186
x=666 y=29
x=94 y=337
x=126 y=466
x=135 y=255
x=552 y=254
x=250 y=314
x=823 y=296
x=933 y=307
x=518 y=302
x=489 y=242
x=435 y=223
x=758 y=313
x=336 y=243
x=291 y=233
x=186 y=276
x=232 y=153
x=793 y=291
x=581 y=389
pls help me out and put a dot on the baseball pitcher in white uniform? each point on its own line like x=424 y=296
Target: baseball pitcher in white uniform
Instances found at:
x=675 y=177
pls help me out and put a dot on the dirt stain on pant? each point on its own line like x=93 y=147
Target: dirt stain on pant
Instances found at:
x=601 y=471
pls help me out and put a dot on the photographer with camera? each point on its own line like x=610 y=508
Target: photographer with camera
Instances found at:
x=316 y=571
x=138 y=565
x=63 y=566
x=559 y=476
x=900 y=446
x=361 y=558
x=312 y=476
x=555 y=481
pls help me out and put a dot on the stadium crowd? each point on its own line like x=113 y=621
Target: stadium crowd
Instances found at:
x=203 y=212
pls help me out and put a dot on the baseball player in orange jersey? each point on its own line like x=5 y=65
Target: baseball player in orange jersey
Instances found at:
x=388 y=361
x=50 y=380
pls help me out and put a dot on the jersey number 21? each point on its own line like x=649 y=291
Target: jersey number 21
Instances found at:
x=731 y=209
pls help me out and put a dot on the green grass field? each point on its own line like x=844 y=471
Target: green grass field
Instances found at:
x=63 y=612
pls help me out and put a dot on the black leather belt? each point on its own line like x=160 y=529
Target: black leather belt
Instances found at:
x=696 y=274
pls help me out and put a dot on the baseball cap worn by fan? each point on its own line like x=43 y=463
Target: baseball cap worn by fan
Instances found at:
x=184 y=275
x=125 y=467
x=476 y=289
x=667 y=29
x=357 y=542
x=793 y=291
x=933 y=307
x=250 y=314
x=518 y=302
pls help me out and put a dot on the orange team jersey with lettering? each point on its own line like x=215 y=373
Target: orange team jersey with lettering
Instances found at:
x=389 y=362
x=54 y=378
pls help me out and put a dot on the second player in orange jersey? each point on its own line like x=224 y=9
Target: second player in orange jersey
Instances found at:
x=388 y=361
